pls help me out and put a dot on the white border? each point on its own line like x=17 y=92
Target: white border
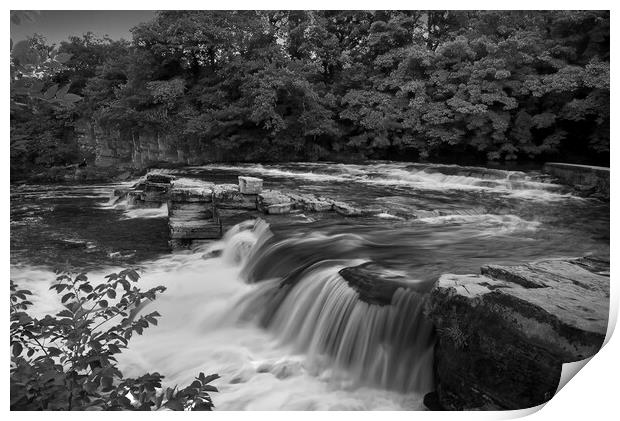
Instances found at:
x=592 y=394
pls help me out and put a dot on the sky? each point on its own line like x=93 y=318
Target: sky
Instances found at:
x=58 y=25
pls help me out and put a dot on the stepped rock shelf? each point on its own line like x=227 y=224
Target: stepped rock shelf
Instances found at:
x=199 y=211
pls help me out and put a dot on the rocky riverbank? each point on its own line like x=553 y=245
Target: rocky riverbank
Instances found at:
x=504 y=334
x=500 y=336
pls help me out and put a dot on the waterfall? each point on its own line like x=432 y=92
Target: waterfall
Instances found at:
x=321 y=315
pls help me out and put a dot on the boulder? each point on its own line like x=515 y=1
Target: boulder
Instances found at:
x=160 y=178
x=135 y=198
x=273 y=202
x=347 y=210
x=278 y=209
x=310 y=202
x=228 y=196
x=250 y=185
x=155 y=192
x=375 y=284
x=503 y=335
x=318 y=205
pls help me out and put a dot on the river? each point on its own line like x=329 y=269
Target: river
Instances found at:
x=317 y=347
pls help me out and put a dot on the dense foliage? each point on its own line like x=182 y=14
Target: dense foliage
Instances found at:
x=67 y=361
x=282 y=85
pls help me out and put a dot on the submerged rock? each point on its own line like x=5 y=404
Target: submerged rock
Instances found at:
x=504 y=334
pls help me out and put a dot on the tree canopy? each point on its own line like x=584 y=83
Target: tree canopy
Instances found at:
x=308 y=85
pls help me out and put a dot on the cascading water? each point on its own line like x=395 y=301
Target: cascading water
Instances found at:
x=267 y=308
x=387 y=346
x=316 y=310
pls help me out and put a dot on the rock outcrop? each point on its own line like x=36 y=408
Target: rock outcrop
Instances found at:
x=250 y=185
x=503 y=335
x=375 y=284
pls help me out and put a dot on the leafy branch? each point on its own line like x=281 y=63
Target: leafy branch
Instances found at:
x=67 y=361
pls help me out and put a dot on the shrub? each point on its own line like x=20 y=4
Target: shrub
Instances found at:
x=67 y=361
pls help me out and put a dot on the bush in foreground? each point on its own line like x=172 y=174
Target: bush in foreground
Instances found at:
x=67 y=361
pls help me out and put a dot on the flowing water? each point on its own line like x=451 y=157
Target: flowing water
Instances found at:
x=265 y=306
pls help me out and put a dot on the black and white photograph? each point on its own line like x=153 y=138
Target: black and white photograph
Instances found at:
x=306 y=210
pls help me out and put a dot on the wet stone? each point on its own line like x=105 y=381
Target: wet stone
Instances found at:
x=208 y=229
x=191 y=194
x=250 y=185
x=228 y=196
x=504 y=334
x=189 y=211
x=274 y=203
x=347 y=210
x=160 y=178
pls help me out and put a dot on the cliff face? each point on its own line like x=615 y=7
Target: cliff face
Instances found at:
x=139 y=149
x=503 y=335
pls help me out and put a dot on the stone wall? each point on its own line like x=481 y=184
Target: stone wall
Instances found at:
x=584 y=178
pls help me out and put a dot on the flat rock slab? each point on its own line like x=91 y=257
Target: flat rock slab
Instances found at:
x=375 y=284
x=274 y=203
x=228 y=196
x=191 y=194
x=504 y=334
x=160 y=178
x=250 y=185
x=190 y=211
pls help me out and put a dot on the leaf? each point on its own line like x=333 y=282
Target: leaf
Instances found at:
x=71 y=98
x=65 y=313
x=51 y=92
x=111 y=293
x=103 y=303
x=106 y=383
x=53 y=351
x=210 y=378
x=59 y=287
x=17 y=349
x=133 y=275
x=66 y=297
x=86 y=287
